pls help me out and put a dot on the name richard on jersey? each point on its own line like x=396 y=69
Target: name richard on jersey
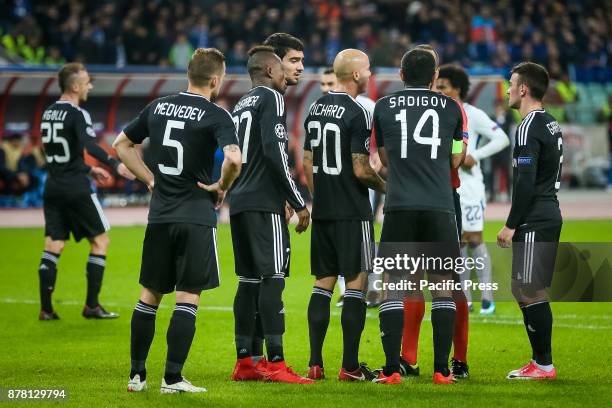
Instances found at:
x=422 y=100
x=321 y=109
x=179 y=111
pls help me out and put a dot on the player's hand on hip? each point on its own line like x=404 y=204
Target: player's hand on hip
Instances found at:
x=303 y=220
x=217 y=192
x=123 y=171
x=469 y=162
x=288 y=212
x=151 y=185
x=99 y=174
x=504 y=237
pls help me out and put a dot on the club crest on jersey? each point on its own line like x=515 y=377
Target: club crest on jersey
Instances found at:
x=280 y=131
x=367 y=144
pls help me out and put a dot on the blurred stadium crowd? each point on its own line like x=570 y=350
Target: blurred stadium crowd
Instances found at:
x=570 y=37
x=555 y=33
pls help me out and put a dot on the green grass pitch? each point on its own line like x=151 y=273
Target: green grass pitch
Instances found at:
x=91 y=358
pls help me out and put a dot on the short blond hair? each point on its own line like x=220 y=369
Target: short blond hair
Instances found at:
x=66 y=74
x=204 y=64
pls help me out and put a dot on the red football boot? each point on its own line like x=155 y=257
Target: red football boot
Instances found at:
x=280 y=372
x=532 y=372
x=394 y=378
x=245 y=370
x=439 y=378
x=316 y=372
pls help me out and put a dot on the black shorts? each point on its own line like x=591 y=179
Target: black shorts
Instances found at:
x=181 y=256
x=421 y=233
x=261 y=245
x=80 y=214
x=342 y=247
x=534 y=250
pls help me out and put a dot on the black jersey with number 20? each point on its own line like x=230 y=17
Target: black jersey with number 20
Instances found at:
x=417 y=127
x=184 y=130
x=336 y=127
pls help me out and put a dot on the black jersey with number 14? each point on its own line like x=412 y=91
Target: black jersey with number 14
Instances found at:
x=417 y=126
x=336 y=127
x=184 y=130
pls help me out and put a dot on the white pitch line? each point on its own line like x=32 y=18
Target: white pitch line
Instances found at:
x=498 y=319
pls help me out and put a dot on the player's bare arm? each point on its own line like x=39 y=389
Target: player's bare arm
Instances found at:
x=131 y=159
x=366 y=174
x=308 y=171
x=230 y=170
x=457 y=159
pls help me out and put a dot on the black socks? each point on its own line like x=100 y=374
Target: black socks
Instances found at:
x=538 y=322
x=179 y=337
x=353 y=322
x=143 y=330
x=443 y=323
x=391 y=314
x=47 y=274
x=272 y=314
x=318 y=322
x=95 y=272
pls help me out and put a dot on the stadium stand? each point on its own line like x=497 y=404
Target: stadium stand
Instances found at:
x=136 y=49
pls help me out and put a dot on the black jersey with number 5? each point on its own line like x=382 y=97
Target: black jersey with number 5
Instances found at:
x=417 y=127
x=336 y=127
x=537 y=160
x=265 y=181
x=184 y=130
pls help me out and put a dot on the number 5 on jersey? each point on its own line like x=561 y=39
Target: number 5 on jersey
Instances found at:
x=175 y=144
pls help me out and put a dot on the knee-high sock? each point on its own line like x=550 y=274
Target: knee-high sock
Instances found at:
x=391 y=314
x=47 y=275
x=540 y=319
x=466 y=274
x=353 y=322
x=485 y=275
x=529 y=332
x=142 y=333
x=179 y=338
x=460 y=335
x=245 y=307
x=318 y=322
x=272 y=314
x=414 y=310
x=95 y=273
x=442 y=321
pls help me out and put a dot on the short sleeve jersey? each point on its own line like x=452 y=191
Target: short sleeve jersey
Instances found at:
x=184 y=130
x=417 y=127
x=63 y=128
x=337 y=127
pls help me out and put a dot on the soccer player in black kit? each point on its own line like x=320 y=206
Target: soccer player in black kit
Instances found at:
x=534 y=224
x=180 y=243
x=70 y=205
x=337 y=167
x=258 y=220
x=420 y=136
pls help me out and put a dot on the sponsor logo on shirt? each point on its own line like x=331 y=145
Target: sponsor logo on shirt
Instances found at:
x=524 y=160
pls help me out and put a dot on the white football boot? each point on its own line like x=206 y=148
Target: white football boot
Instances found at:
x=135 y=385
x=181 y=386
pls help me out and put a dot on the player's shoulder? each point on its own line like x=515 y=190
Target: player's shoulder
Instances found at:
x=270 y=98
x=533 y=125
